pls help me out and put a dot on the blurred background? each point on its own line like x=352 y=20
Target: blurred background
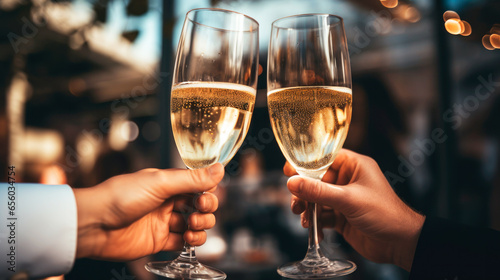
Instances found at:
x=85 y=90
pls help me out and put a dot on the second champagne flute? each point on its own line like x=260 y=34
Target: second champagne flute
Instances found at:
x=212 y=100
x=310 y=103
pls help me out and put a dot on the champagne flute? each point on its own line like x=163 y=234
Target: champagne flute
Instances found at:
x=212 y=100
x=310 y=104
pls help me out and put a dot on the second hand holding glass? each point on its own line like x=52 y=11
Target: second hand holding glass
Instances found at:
x=310 y=103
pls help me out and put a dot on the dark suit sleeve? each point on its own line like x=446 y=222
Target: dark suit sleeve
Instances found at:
x=447 y=250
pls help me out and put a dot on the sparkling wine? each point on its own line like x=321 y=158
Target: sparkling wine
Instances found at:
x=210 y=121
x=310 y=124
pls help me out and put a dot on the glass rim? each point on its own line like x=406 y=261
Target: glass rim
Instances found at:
x=274 y=23
x=254 y=22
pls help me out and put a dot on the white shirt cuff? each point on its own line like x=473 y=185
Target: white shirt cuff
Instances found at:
x=42 y=229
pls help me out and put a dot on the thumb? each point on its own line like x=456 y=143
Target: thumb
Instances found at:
x=173 y=182
x=313 y=190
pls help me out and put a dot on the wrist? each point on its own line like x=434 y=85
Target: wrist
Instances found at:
x=87 y=205
x=406 y=251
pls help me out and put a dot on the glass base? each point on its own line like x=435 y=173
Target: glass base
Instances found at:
x=178 y=269
x=322 y=268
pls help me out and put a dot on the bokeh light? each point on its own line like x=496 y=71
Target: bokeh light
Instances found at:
x=495 y=40
x=88 y=146
x=411 y=14
x=487 y=43
x=214 y=248
x=121 y=132
x=467 y=29
x=53 y=175
x=129 y=131
x=76 y=86
x=450 y=15
x=42 y=146
x=454 y=26
x=389 y=3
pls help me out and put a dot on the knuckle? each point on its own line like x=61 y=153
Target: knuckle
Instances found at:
x=202 y=177
x=149 y=170
x=160 y=176
x=316 y=190
x=197 y=175
x=349 y=197
x=370 y=161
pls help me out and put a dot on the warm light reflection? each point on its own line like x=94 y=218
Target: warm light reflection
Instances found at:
x=129 y=131
x=214 y=248
x=450 y=15
x=76 y=86
x=454 y=26
x=15 y=99
x=61 y=277
x=53 y=175
x=42 y=146
x=121 y=132
x=116 y=141
x=495 y=40
x=389 y=3
x=87 y=148
x=411 y=14
x=467 y=29
x=487 y=43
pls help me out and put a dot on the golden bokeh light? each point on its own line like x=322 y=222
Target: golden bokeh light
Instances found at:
x=454 y=26
x=487 y=43
x=411 y=14
x=389 y=3
x=467 y=29
x=76 y=86
x=495 y=41
x=450 y=15
x=53 y=175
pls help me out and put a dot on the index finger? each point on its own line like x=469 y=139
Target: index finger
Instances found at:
x=346 y=164
x=289 y=170
x=298 y=205
x=350 y=166
x=343 y=157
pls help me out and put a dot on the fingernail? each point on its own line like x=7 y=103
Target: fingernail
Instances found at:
x=294 y=186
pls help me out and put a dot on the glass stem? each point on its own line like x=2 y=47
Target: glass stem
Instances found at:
x=314 y=253
x=188 y=254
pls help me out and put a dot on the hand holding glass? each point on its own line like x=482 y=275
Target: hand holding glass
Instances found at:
x=310 y=103
x=212 y=100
